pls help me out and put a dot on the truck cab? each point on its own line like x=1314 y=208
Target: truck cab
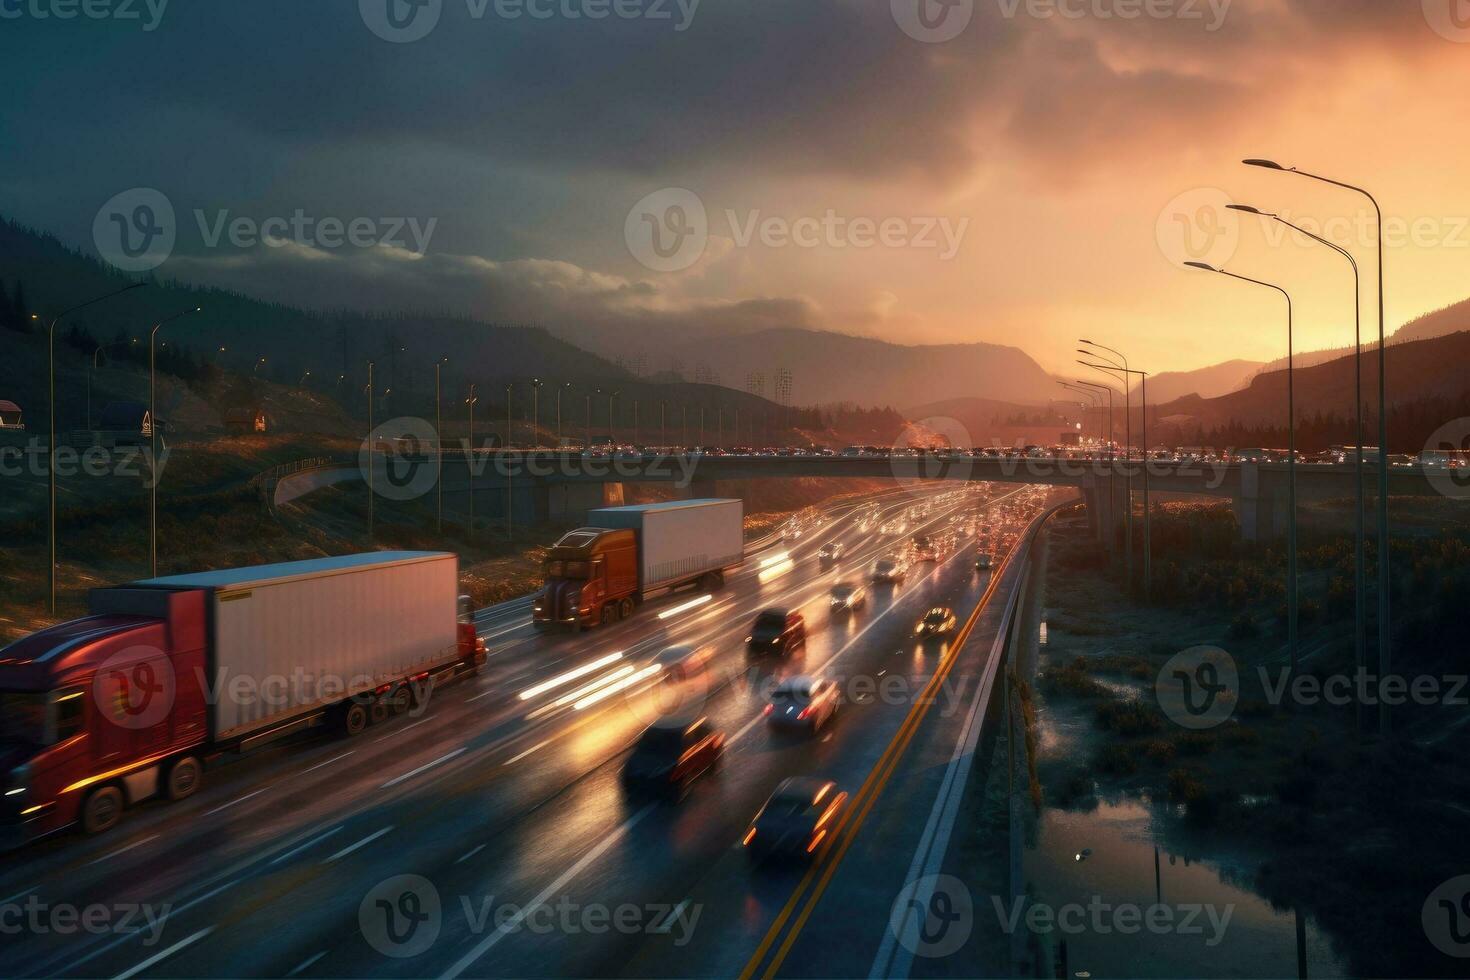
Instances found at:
x=591 y=577
x=100 y=713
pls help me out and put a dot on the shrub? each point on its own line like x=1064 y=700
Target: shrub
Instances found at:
x=1128 y=718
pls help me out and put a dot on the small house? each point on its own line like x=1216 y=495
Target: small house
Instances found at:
x=10 y=416
x=246 y=421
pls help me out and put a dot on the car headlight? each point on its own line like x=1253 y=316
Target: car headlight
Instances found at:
x=20 y=778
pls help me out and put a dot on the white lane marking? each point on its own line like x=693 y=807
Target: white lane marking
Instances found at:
x=19 y=894
x=160 y=957
x=469 y=854
x=301 y=847
x=485 y=694
x=306 y=963
x=400 y=731
x=423 y=768
x=506 y=928
x=362 y=843
x=226 y=806
x=539 y=745
x=319 y=765
x=123 y=850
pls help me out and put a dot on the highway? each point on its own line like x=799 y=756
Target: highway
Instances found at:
x=502 y=802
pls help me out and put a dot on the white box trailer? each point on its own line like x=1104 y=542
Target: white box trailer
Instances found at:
x=290 y=638
x=680 y=540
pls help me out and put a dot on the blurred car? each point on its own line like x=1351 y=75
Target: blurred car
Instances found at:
x=672 y=753
x=802 y=702
x=680 y=663
x=847 y=596
x=776 y=631
x=890 y=569
x=796 y=819
x=938 y=621
x=984 y=562
x=831 y=554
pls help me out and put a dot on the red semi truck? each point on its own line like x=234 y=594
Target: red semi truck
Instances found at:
x=128 y=703
x=600 y=573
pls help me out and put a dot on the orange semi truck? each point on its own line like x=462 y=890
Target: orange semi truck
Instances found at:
x=602 y=572
x=130 y=702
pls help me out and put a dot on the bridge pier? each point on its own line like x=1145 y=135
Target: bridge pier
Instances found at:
x=1102 y=501
x=568 y=503
x=1261 y=505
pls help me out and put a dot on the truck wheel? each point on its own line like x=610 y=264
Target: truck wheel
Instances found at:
x=625 y=608
x=398 y=701
x=609 y=615
x=102 y=810
x=184 y=777
x=354 y=719
x=378 y=711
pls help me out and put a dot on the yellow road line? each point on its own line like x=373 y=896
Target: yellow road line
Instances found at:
x=872 y=787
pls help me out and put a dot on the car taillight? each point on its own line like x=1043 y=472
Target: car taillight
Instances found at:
x=804 y=714
x=749 y=836
x=769 y=709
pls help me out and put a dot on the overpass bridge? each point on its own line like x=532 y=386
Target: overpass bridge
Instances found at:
x=551 y=485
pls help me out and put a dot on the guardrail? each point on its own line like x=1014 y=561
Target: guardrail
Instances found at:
x=265 y=481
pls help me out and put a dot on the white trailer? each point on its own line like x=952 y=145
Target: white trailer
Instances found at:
x=290 y=639
x=680 y=541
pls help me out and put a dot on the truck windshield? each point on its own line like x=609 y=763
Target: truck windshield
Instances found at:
x=23 y=717
x=566 y=569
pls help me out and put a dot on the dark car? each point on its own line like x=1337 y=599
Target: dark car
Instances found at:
x=777 y=632
x=830 y=554
x=939 y=621
x=795 y=821
x=672 y=753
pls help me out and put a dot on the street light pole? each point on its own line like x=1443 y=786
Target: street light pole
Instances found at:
x=1109 y=390
x=1360 y=577
x=1127 y=450
x=505 y=455
x=536 y=412
x=51 y=445
x=588 y=444
x=1291 y=554
x=1385 y=645
x=372 y=451
x=439 y=448
x=153 y=439
x=469 y=459
x=1127 y=372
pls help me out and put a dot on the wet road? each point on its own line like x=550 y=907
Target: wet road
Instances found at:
x=490 y=836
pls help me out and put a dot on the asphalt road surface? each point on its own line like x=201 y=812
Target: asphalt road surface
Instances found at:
x=489 y=835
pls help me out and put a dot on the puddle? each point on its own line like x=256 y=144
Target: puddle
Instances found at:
x=1218 y=928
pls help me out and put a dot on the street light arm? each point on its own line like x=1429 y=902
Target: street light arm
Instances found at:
x=81 y=306
x=1118 y=354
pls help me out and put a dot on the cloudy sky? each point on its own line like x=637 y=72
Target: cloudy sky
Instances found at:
x=1014 y=171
